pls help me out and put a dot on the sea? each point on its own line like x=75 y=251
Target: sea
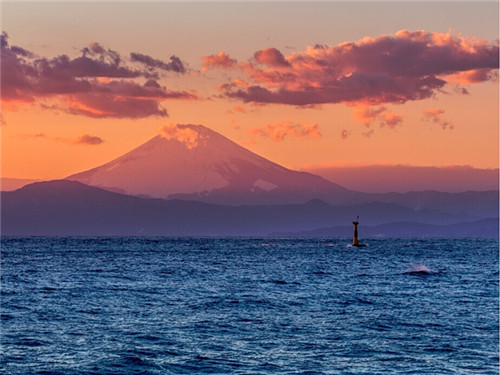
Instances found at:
x=128 y=305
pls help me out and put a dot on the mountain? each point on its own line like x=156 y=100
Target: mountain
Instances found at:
x=70 y=208
x=192 y=162
x=485 y=228
x=195 y=163
x=402 y=179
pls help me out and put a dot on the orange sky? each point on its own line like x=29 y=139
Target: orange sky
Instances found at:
x=84 y=83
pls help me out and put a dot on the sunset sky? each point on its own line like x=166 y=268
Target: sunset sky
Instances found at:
x=302 y=84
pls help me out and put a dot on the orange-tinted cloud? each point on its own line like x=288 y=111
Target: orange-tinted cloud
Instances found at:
x=345 y=133
x=367 y=115
x=271 y=57
x=277 y=132
x=87 y=139
x=391 y=119
x=369 y=133
x=97 y=84
x=387 y=69
x=221 y=60
x=473 y=76
x=436 y=116
x=237 y=108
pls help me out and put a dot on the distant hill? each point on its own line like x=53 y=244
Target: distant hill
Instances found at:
x=485 y=228
x=70 y=208
x=402 y=178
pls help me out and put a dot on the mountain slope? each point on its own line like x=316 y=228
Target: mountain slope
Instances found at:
x=196 y=163
x=485 y=228
x=70 y=208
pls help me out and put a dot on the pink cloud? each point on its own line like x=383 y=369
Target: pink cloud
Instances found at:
x=221 y=60
x=387 y=69
x=97 y=84
x=271 y=57
x=277 y=132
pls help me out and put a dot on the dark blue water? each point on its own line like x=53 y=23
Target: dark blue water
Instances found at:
x=248 y=306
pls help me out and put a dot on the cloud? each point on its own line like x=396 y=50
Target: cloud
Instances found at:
x=236 y=108
x=391 y=119
x=175 y=64
x=221 y=60
x=369 y=133
x=395 y=68
x=474 y=76
x=87 y=139
x=435 y=116
x=345 y=133
x=96 y=84
x=183 y=134
x=271 y=57
x=277 y=132
x=367 y=115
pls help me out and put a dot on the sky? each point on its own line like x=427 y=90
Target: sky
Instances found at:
x=304 y=84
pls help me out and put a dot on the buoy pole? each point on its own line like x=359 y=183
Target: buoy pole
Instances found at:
x=355 y=241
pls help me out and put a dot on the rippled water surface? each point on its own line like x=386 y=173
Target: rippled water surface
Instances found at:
x=250 y=306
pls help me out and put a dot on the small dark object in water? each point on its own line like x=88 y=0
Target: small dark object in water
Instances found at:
x=355 y=242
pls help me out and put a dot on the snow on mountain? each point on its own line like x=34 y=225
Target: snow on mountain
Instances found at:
x=195 y=163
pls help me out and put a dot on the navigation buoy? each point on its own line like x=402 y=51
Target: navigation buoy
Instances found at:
x=355 y=241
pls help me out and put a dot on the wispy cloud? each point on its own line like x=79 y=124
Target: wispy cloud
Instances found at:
x=87 y=139
x=435 y=116
x=174 y=65
x=367 y=115
x=391 y=119
x=84 y=139
x=98 y=83
x=277 y=132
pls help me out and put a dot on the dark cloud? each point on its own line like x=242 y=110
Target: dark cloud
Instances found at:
x=97 y=84
x=387 y=69
x=88 y=139
x=175 y=64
